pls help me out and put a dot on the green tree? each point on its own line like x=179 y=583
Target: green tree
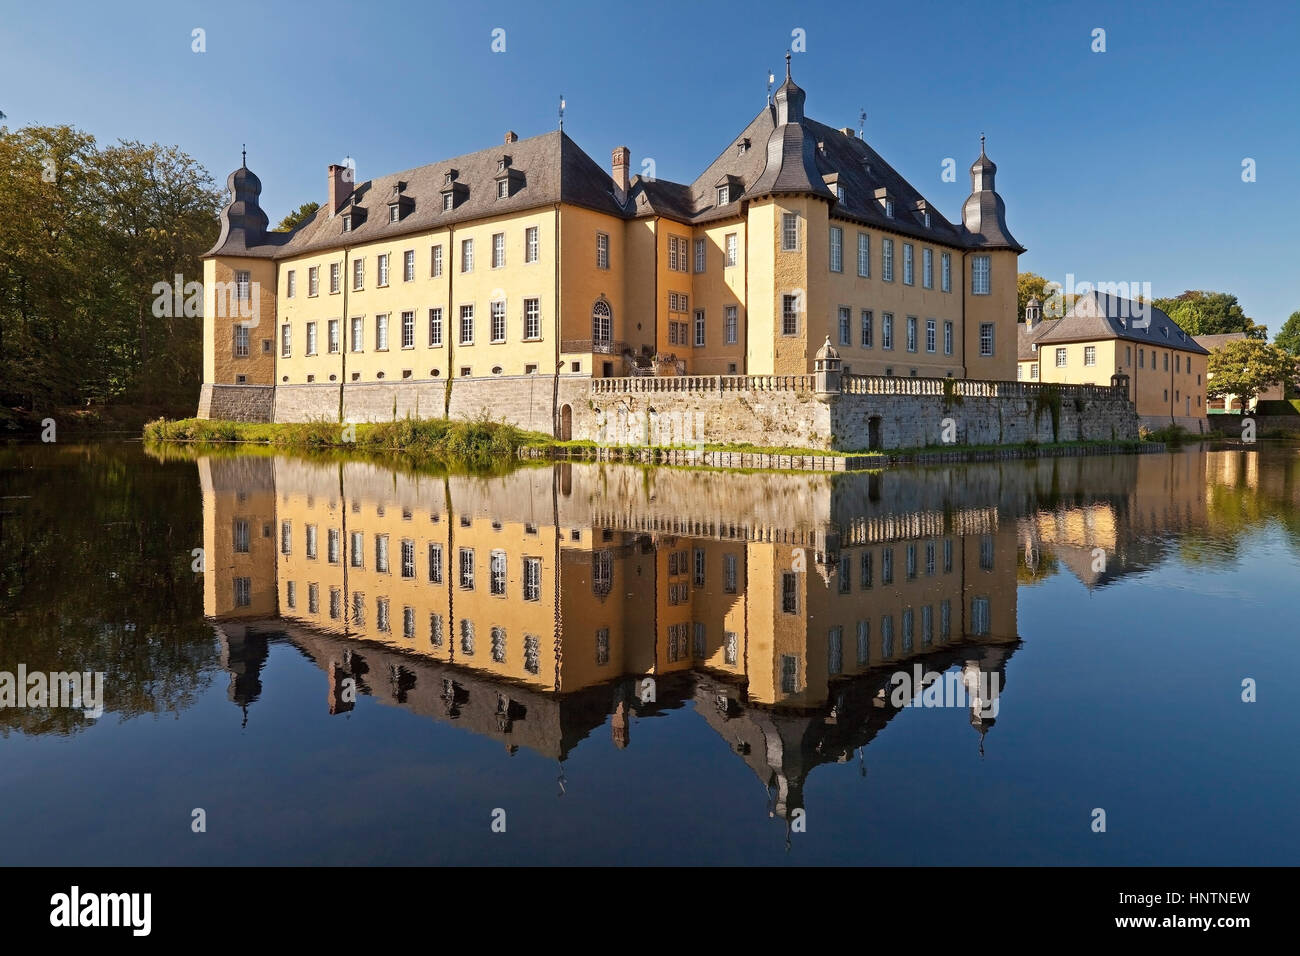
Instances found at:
x=1028 y=285
x=1210 y=313
x=1246 y=367
x=88 y=233
x=303 y=213
x=1288 y=339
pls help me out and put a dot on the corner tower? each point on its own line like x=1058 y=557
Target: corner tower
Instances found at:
x=239 y=287
x=989 y=277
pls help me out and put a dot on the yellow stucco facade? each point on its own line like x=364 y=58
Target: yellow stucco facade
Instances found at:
x=532 y=260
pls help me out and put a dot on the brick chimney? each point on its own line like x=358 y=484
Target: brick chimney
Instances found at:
x=622 y=157
x=340 y=186
x=511 y=137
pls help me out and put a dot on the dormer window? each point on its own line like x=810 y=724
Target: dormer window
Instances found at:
x=400 y=204
x=503 y=188
x=742 y=146
x=889 y=208
x=724 y=195
x=839 y=193
x=927 y=219
x=347 y=223
x=446 y=201
x=448 y=177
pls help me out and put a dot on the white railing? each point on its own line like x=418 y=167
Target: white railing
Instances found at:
x=965 y=387
x=704 y=383
x=849 y=385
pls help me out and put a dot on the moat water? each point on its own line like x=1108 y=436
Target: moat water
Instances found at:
x=325 y=662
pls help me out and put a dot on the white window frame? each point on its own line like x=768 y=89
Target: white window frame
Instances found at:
x=987 y=342
x=497 y=320
x=789 y=232
x=532 y=319
x=466 y=326
x=981 y=275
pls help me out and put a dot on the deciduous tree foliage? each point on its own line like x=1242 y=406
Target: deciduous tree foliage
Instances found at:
x=1210 y=313
x=85 y=233
x=303 y=213
x=1288 y=339
x=1248 y=366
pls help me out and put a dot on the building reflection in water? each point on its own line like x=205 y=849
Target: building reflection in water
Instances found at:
x=535 y=607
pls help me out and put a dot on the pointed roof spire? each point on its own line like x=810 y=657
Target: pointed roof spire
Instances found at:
x=787 y=64
x=981 y=142
x=243 y=155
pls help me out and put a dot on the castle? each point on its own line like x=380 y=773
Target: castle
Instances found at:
x=516 y=281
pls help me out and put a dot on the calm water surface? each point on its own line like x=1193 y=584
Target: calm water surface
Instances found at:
x=652 y=666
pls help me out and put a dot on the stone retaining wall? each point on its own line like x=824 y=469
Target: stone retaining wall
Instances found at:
x=237 y=403
x=764 y=411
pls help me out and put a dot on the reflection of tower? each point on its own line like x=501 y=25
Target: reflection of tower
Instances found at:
x=984 y=680
x=620 y=723
x=243 y=653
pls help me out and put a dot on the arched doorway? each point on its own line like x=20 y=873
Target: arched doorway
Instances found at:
x=602 y=327
x=566 y=423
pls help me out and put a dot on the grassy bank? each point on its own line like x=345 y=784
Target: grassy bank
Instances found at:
x=495 y=446
x=476 y=445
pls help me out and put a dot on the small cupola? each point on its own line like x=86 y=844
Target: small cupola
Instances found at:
x=984 y=214
x=242 y=220
x=789 y=99
x=1033 y=312
x=827 y=368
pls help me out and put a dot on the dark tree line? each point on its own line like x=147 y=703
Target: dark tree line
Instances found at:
x=85 y=234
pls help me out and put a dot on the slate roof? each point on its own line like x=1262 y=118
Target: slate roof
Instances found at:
x=1212 y=342
x=1026 y=338
x=786 y=153
x=552 y=168
x=1099 y=315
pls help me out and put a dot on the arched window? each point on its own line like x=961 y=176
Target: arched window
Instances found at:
x=602 y=323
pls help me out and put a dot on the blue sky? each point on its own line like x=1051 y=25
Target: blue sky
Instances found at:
x=1122 y=165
